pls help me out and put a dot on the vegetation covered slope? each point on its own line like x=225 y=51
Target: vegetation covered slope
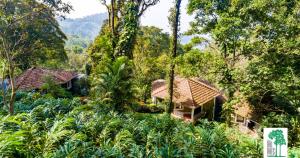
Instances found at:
x=48 y=127
x=86 y=27
x=253 y=53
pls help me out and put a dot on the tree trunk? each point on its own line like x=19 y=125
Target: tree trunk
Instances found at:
x=12 y=98
x=4 y=94
x=173 y=56
x=276 y=151
x=13 y=91
x=3 y=88
x=279 y=150
x=113 y=26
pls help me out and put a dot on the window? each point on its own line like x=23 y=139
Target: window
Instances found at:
x=178 y=106
x=198 y=110
x=239 y=119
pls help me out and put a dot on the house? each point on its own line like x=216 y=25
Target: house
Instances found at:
x=34 y=78
x=244 y=115
x=193 y=98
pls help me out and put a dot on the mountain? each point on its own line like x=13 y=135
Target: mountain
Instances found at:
x=87 y=27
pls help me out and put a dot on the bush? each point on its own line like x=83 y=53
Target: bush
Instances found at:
x=54 y=90
x=148 y=108
x=64 y=128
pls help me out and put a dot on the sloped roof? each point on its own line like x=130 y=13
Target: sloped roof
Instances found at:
x=34 y=78
x=245 y=109
x=189 y=92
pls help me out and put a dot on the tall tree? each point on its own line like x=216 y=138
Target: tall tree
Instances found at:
x=19 y=36
x=174 y=21
x=124 y=22
x=218 y=18
x=149 y=59
x=262 y=39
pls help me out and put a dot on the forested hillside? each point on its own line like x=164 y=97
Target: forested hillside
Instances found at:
x=92 y=88
x=86 y=27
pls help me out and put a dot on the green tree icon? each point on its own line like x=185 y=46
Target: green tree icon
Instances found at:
x=279 y=140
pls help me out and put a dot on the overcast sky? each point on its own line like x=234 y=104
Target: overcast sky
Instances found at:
x=154 y=16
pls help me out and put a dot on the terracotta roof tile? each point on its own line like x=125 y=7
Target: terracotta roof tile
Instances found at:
x=189 y=92
x=34 y=78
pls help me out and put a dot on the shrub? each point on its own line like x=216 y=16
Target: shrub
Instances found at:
x=148 y=108
x=51 y=88
x=64 y=128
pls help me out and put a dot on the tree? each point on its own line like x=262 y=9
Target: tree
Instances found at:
x=174 y=21
x=149 y=59
x=124 y=22
x=26 y=26
x=279 y=140
x=113 y=85
x=261 y=38
x=37 y=33
x=218 y=18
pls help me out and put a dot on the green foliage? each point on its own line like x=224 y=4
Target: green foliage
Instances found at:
x=77 y=61
x=195 y=63
x=113 y=84
x=274 y=80
x=149 y=108
x=294 y=152
x=150 y=58
x=51 y=88
x=100 y=49
x=261 y=39
x=129 y=29
x=33 y=35
x=50 y=130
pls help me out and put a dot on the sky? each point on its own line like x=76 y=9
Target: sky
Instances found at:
x=154 y=16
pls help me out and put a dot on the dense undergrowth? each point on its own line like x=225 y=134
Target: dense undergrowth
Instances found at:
x=48 y=127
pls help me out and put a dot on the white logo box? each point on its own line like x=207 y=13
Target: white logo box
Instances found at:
x=275 y=142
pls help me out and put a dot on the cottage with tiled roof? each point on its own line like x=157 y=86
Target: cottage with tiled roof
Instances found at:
x=192 y=98
x=245 y=115
x=34 y=78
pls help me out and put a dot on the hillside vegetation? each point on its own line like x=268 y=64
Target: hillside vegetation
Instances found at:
x=250 y=59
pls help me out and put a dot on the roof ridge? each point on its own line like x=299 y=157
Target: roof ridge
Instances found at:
x=191 y=92
x=208 y=86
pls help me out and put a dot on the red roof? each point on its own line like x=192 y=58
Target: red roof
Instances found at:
x=189 y=92
x=34 y=78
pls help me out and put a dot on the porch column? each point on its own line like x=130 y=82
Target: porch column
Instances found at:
x=235 y=117
x=192 y=115
x=154 y=100
x=214 y=109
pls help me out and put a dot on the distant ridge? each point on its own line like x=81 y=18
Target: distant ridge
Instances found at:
x=87 y=27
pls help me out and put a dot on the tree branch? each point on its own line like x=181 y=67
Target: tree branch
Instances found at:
x=145 y=4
